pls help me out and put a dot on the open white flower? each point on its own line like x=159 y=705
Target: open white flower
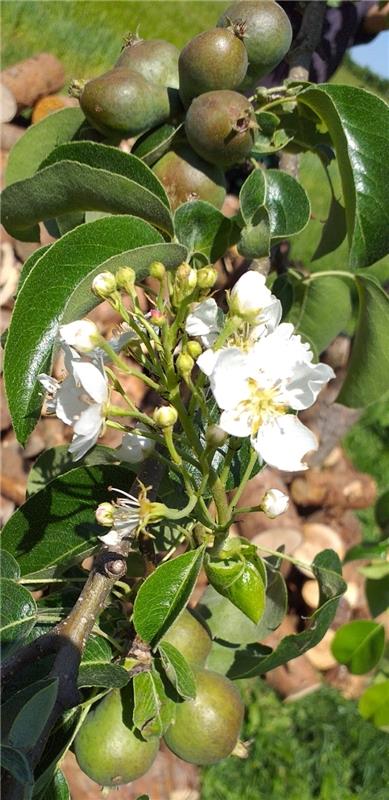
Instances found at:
x=256 y=391
x=79 y=400
x=205 y=321
x=136 y=447
x=82 y=335
x=274 y=503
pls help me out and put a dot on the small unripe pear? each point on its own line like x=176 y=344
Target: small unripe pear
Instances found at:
x=220 y=127
x=207 y=728
x=155 y=59
x=106 y=748
x=190 y=637
x=214 y=59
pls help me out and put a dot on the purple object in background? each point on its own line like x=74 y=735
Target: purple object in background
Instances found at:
x=343 y=28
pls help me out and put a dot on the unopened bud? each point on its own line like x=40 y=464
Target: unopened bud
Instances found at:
x=184 y=364
x=104 y=284
x=104 y=514
x=215 y=436
x=82 y=334
x=125 y=279
x=194 y=349
x=186 y=277
x=156 y=317
x=274 y=503
x=165 y=416
x=157 y=270
x=206 y=277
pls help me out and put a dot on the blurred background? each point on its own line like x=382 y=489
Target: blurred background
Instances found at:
x=305 y=746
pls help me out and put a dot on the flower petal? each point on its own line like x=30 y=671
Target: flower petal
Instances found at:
x=92 y=379
x=68 y=404
x=235 y=423
x=306 y=383
x=207 y=361
x=229 y=377
x=90 y=421
x=283 y=442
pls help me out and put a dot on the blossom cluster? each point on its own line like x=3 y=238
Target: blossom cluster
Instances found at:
x=261 y=373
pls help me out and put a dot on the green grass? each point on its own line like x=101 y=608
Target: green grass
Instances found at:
x=318 y=748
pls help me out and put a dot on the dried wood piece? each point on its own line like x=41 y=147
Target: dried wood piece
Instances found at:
x=321 y=656
x=348 y=489
x=10 y=134
x=50 y=103
x=8 y=105
x=290 y=538
x=33 y=78
x=310 y=593
x=316 y=538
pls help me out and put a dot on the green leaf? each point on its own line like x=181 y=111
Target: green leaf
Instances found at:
x=39 y=140
x=9 y=567
x=228 y=624
x=367 y=550
x=321 y=309
x=58 y=788
x=96 y=668
x=359 y=645
x=152 y=708
x=177 y=670
x=374 y=705
x=287 y=205
x=57 y=290
x=84 y=176
x=334 y=230
x=252 y=196
x=59 y=742
x=31 y=720
x=239 y=581
x=18 y=612
x=376 y=570
x=303 y=127
x=16 y=763
x=253 y=661
x=56 y=527
x=367 y=378
x=377 y=595
x=204 y=230
x=151 y=146
x=57 y=460
x=357 y=122
x=254 y=240
x=164 y=594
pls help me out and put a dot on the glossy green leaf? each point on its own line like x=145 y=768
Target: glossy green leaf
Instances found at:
x=58 y=743
x=374 y=705
x=97 y=669
x=358 y=122
x=32 y=718
x=303 y=126
x=56 y=527
x=84 y=176
x=58 y=789
x=177 y=670
x=367 y=550
x=321 y=309
x=252 y=660
x=57 y=290
x=287 y=205
x=9 y=567
x=252 y=196
x=334 y=230
x=164 y=594
x=54 y=462
x=367 y=378
x=154 y=144
x=16 y=763
x=377 y=595
x=204 y=230
x=153 y=710
x=39 y=140
x=359 y=645
x=18 y=612
x=241 y=582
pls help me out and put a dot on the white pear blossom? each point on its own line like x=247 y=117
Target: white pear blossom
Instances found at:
x=258 y=389
x=253 y=301
x=205 y=321
x=131 y=514
x=82 y=335
x=136 y=447
x=79 y=400
x=274 y=503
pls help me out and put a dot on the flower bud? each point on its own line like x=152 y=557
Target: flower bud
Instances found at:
x=274 y=503
x=157 y=270
x=104 y=284
x=156 y=317
x=206 y=277
x=184 y=364
x=185 y=280
x=104 y=514
x=165 y=416
x=125 y=279
x=249 y=296
x=82 y=334
x=215 y=436
x=194 y=349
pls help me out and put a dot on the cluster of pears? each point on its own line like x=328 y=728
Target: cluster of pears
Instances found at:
x=198 y=91
x=111 y=751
